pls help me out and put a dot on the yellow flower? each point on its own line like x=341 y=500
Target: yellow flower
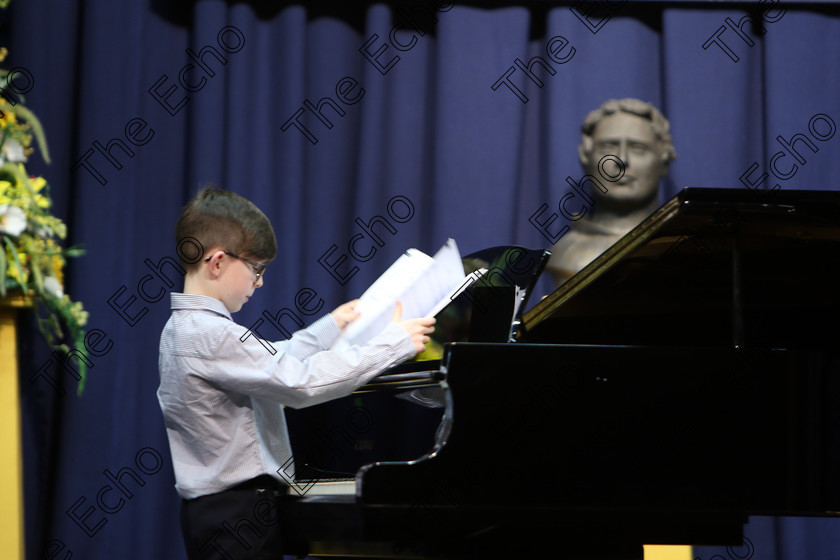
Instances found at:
x=38 y=183
x=8 y=118
x=57 y=267
x=12 y=270
x=6 y=192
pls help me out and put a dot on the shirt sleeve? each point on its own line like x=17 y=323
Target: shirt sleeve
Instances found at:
x=298 y=381
x=318 y=336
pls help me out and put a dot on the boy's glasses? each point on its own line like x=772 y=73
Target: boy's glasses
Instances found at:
x=259 y=268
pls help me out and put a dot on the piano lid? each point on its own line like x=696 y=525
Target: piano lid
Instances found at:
x=722 y=267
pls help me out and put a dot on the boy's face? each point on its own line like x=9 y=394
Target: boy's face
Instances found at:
x=236 y=280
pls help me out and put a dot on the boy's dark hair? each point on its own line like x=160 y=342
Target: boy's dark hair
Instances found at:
x=222 y=219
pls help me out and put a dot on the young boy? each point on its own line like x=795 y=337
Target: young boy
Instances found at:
x=222 y=392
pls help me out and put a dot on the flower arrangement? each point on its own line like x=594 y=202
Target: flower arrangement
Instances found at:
x=31 y=259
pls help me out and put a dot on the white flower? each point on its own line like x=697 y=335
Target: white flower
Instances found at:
x=12 y=151
x=12 y=220
x=53 y=287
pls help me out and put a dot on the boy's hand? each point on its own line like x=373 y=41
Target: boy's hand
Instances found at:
x=418 y=329
x=345 y=314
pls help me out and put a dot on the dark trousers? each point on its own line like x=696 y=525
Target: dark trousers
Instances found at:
x=242 y=523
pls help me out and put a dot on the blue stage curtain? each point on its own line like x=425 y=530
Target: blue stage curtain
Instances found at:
x=421 y=132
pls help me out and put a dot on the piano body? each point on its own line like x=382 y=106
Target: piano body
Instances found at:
x=681 y=382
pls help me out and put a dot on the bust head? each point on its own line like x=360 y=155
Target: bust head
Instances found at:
x=637 y=134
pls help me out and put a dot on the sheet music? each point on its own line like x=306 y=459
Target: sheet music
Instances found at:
x=419 y=281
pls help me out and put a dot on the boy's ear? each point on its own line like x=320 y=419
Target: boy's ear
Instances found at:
x=213 y=260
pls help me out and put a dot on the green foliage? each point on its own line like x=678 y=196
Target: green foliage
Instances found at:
x=31 y=259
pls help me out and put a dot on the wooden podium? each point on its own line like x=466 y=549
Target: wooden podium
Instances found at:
x=11 y=452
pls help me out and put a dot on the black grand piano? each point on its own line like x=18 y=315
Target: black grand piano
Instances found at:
x=686 y=379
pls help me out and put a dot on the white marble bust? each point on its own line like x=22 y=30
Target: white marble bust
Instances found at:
x=638 y=134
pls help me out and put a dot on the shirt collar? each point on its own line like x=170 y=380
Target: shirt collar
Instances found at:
x=198 y=302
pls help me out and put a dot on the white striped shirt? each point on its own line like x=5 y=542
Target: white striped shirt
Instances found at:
x=222 y=398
